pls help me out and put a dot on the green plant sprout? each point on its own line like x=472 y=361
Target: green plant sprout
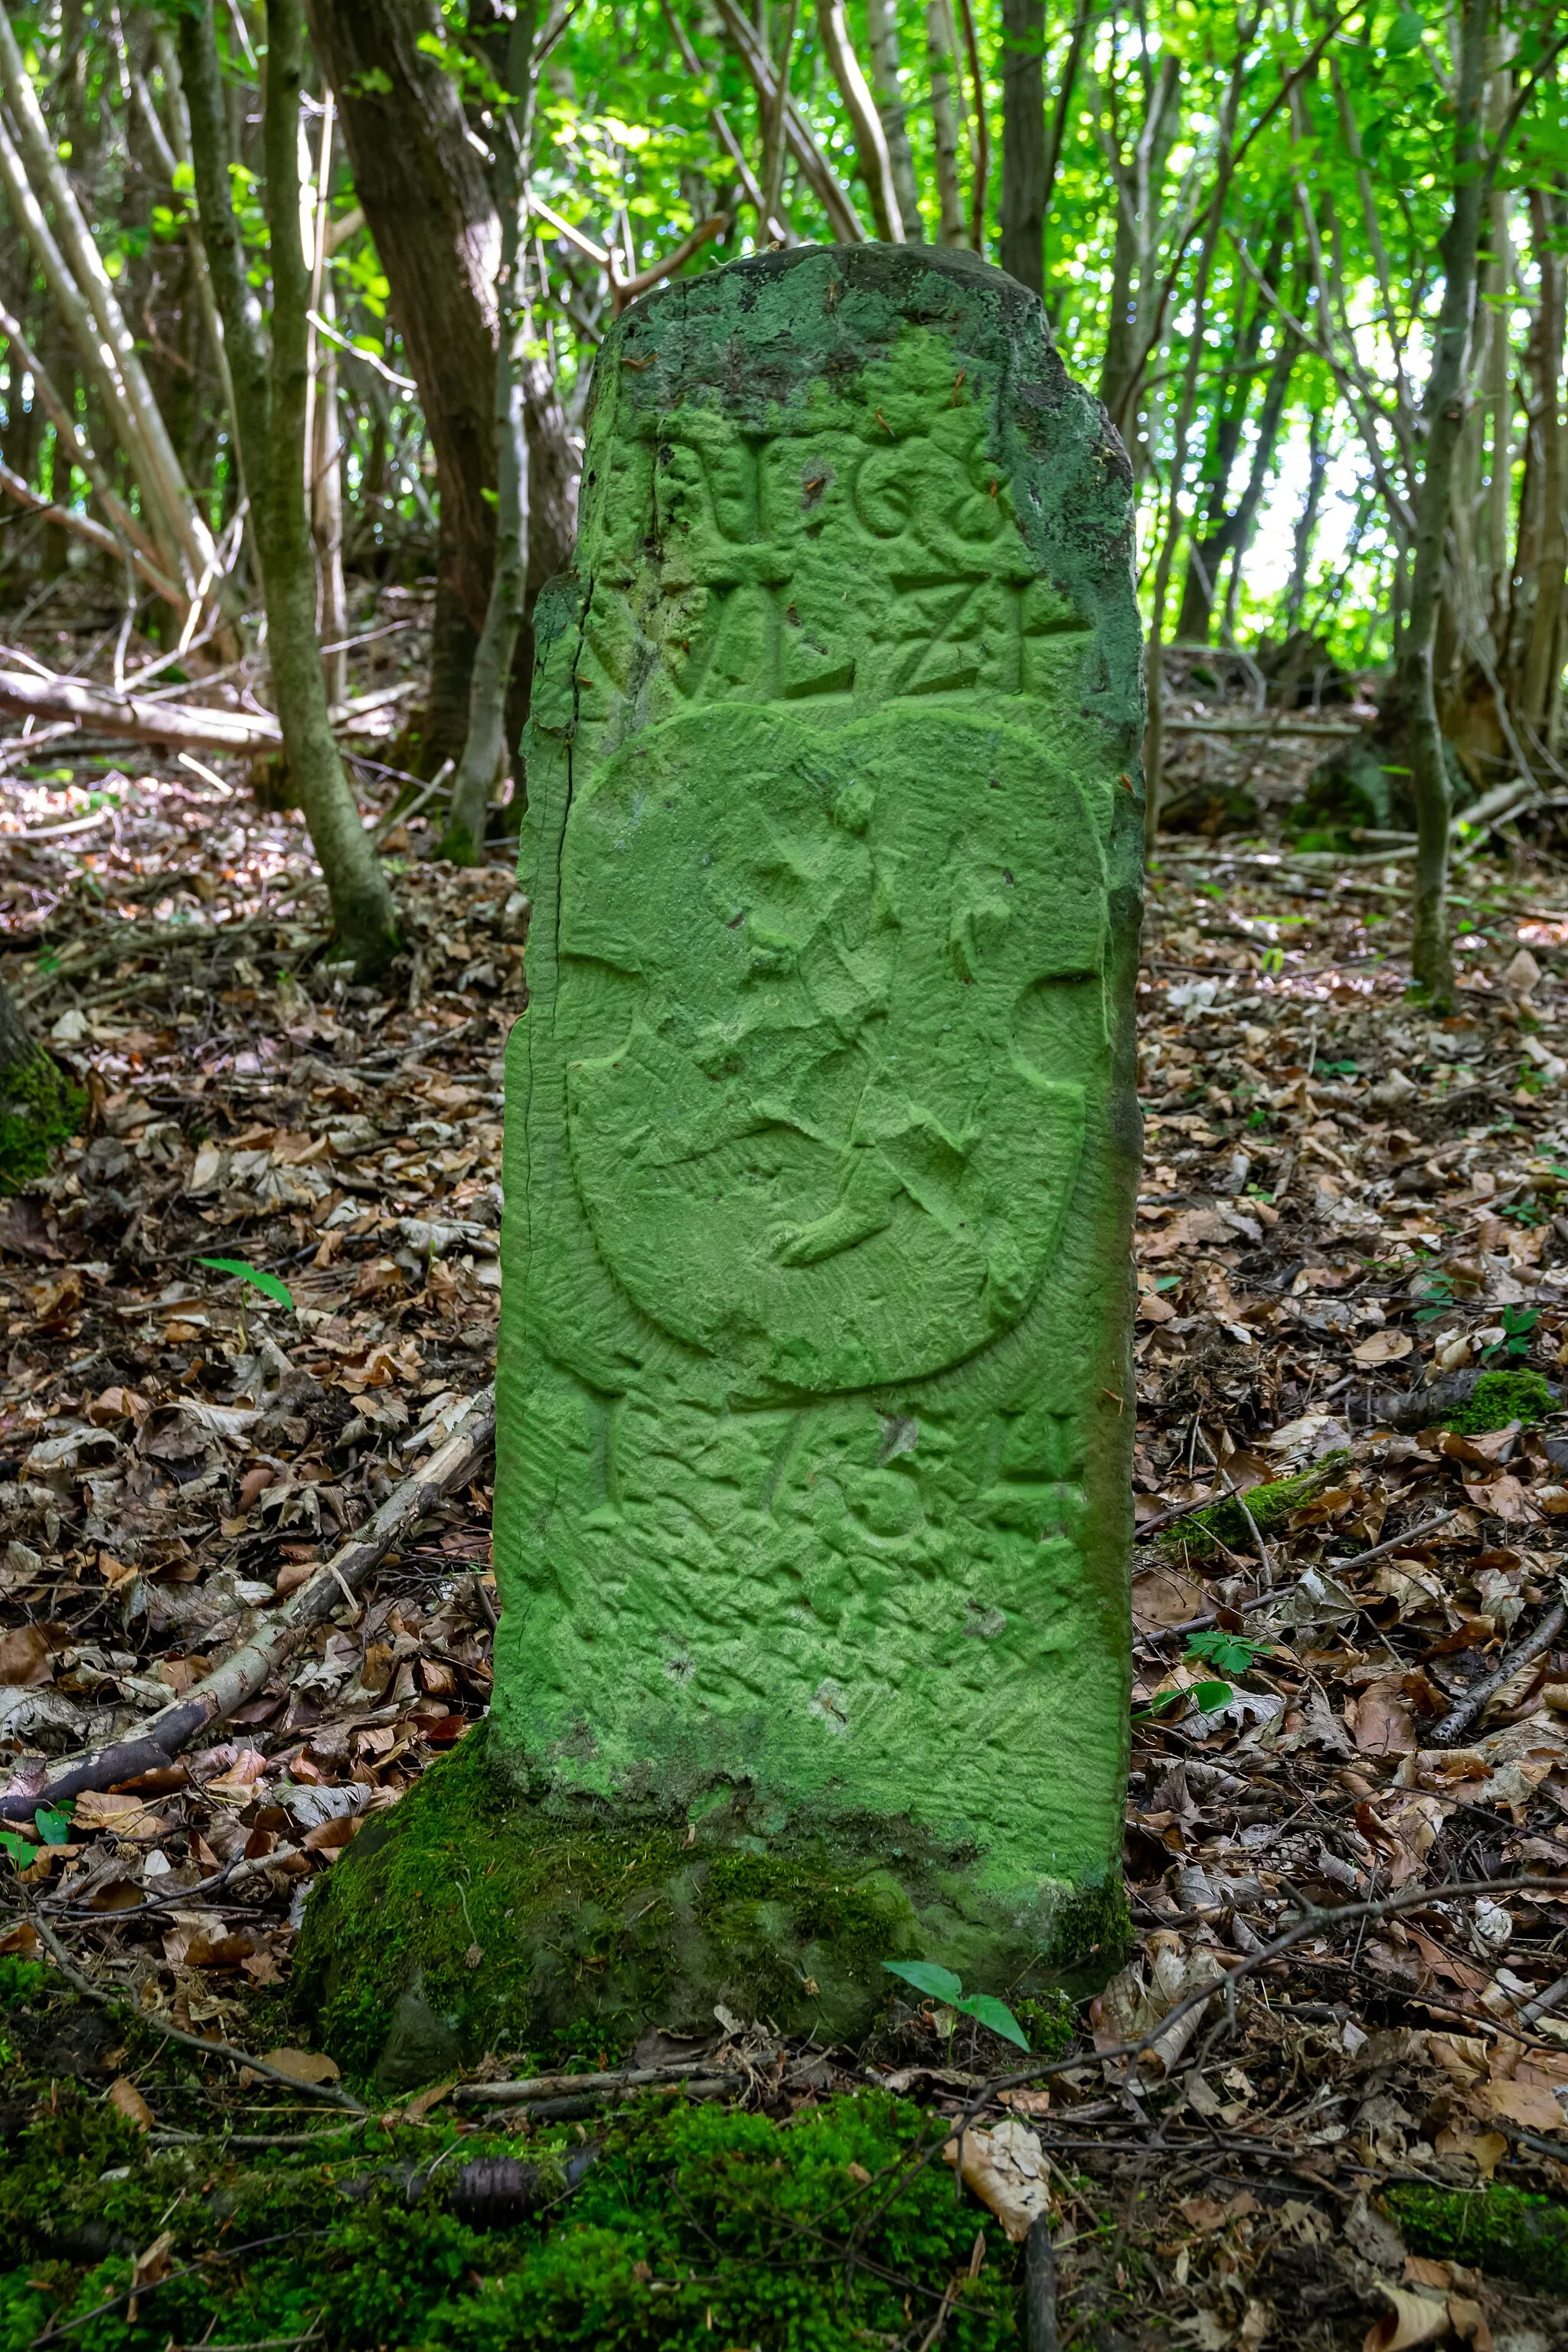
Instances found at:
x=1436 y=1296
x=1518 y=1324
x=267 y=1284
x=940 y=1984
x=53 y=1823
x=257 y=1276
x=1233 y=1653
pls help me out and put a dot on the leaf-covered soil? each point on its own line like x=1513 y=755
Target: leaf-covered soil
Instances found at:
x=1350 y=1210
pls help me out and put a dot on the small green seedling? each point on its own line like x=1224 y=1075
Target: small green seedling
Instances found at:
x=940 y=1984
x=1233 y=1653
x=267 y=1284
x=1436 y=1297
x=53 y=1823
x=257 y=1276
x=1518 y=1324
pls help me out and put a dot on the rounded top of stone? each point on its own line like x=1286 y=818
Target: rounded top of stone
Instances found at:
x=891 y=270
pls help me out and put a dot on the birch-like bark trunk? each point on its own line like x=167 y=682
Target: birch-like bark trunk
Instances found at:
x=942 y=62
x=271 y=398
x=882 y=23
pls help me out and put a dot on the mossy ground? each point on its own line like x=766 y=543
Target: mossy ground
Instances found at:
x=1504 y=2230
x=40 y=1108
x=1269 y=1506
x=692 y=2224
x=1500 y=1398
x=472 y=1919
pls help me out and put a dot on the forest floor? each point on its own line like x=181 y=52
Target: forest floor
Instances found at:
x=1349 y=1210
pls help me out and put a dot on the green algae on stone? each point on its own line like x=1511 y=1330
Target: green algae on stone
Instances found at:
x=815 y=1399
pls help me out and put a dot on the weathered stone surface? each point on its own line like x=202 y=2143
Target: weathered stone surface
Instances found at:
x=815 y=1405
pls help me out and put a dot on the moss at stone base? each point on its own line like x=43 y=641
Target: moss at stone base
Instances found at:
x=1504 y=2230
x=40 y=1108
x=472 y=1918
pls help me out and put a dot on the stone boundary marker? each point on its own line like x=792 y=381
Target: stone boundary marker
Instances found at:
x=815 y=1405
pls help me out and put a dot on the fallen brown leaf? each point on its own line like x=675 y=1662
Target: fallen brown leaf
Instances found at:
x=127 y=2101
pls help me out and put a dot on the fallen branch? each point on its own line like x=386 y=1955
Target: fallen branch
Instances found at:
x=94 y=532
x=246 y=1671
x=1459 y=1717
x=138 y=721
x=590 y=2103
x=1040 y=2286
x=181 y=725
x=547 y=2087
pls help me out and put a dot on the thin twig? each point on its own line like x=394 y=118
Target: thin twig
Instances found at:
x=158 y=2024
x=1459 y=1717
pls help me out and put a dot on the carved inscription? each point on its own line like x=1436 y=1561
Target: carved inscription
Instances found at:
x=798 y=567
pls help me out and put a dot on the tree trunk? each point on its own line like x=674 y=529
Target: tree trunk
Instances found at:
x=1024 y=142
x=1543 y=650
x=1224 y=164
x=942 y=64
x=1130 y=338
x=1239 y=530
x=269 y=415
x=428 y=203
x=82 y=285
x=1208 y=549
x=362 y=902
x=979 y=130
x=484 y=750
x=882 y=23
x=1306 y=524
x=870 y=144
x=1431 y=954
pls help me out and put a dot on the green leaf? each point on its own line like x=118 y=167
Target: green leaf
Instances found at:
x=1210 y=1696
x=929 y=1978
x=1409 y=31
x=267 y=1284
x=988 y=2011
x=1231 y=1652
x=53 y=1823
x=23 y=1855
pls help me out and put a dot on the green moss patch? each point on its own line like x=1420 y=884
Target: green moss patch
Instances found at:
x=472 y=1919
x=1500 y=1398
x=1505 y=2230
x=1269 y=1506
x=679 y=2225
x=40 y=1108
